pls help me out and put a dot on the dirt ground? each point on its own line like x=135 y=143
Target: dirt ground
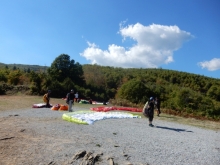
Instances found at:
x=22 y=141
x=14 y=138
x=13 y=141
x=34 y=140
x=21 y=144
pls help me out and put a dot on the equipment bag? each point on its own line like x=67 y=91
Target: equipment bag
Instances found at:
x=146 y=109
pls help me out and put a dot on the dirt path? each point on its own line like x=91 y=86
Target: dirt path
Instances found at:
x=33 y=141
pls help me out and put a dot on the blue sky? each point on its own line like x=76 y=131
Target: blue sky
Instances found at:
x=182 y=35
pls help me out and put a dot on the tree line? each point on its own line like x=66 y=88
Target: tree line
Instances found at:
x=180 y=93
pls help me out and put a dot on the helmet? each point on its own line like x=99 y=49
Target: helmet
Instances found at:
x=72 y=90
x=151 y=98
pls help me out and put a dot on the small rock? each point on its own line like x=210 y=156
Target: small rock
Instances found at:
x=79 y=155
x=111 y=162
x=22 y=130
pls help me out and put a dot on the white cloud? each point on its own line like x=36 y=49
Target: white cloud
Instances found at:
x=211 y=65
x=154 y=46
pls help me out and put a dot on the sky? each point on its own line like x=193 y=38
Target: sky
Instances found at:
x=181 y=35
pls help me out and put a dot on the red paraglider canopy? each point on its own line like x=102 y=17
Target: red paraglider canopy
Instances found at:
x=105 y=109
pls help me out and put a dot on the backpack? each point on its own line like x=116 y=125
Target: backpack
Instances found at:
x=45 y=98
x=146 y=109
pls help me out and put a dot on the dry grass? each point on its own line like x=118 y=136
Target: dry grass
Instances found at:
x=191 y=121
x=206 y=124
x=18 y=102
x=25 y=101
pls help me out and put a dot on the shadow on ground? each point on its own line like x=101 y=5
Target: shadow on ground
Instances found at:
x=174 y=129
x=167 y=116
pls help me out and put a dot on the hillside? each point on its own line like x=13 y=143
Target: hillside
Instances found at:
x=23 y=67
x=181 y=93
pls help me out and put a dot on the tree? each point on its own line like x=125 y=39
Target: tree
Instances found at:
x=14 y=77
x=3 y=76
x=62 y=68
x=14 y=67
x=36 y=80
x=214 y=92
x=133 y=91
x=68 y=84
x=184 y=97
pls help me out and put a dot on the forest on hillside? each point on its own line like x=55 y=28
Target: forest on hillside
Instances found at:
x=180 y=93
x=23 y=67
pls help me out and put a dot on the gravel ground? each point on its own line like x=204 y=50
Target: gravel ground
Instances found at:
x=40 y=136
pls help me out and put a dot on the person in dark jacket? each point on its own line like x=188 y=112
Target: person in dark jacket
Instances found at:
x=151 y=111
x=157 y=105
x=70 y=100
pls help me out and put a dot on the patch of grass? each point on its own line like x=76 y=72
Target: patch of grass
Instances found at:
x=98 y=145
x=190 y=121
x=19 y=101
x=206 y=124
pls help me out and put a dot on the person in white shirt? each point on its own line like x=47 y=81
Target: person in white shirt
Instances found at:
x=76 y=97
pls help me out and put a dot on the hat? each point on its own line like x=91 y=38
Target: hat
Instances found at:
x=49 y=91
x=151 y=98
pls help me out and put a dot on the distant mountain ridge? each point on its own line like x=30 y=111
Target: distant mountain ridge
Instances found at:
x=44 y=68
x=24 y=67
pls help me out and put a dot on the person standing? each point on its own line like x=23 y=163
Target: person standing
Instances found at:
x=76 y=97
x=46 y=98
x=151 y=111
x=70 y=100
x=157 y=104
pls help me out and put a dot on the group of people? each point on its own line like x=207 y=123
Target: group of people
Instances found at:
x=70 y=97
x=149 y=107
